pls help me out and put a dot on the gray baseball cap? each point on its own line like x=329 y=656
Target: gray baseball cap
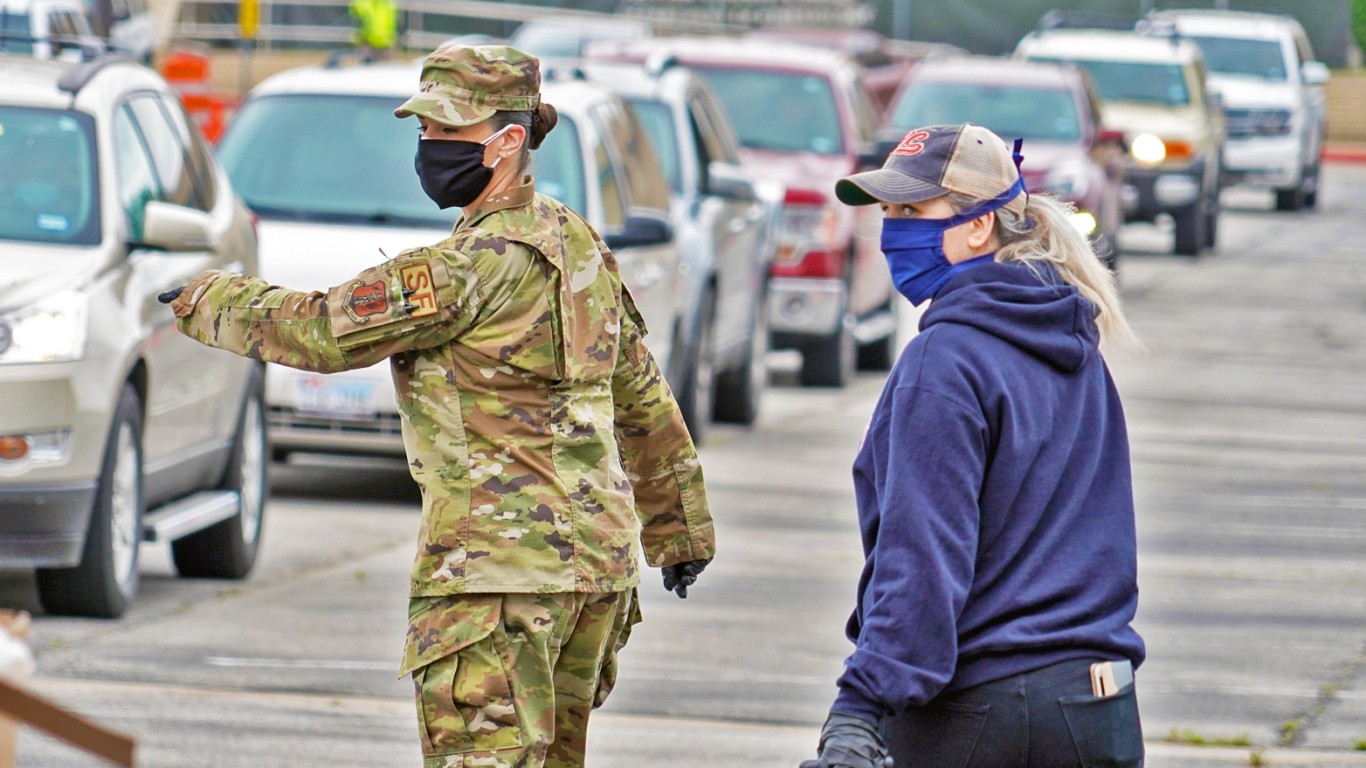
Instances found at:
x=929 y=162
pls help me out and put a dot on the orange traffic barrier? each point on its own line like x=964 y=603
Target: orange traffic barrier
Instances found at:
x=188 y=72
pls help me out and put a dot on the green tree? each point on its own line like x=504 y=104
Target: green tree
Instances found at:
x=1359 y=23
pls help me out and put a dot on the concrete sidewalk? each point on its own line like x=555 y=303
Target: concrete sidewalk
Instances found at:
x=633 y=741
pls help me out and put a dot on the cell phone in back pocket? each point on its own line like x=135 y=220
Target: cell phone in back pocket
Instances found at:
x=1110 y=677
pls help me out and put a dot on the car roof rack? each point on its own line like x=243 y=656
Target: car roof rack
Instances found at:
x=1063 y=19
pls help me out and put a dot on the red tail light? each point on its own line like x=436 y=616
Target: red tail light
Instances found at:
x=806 y=242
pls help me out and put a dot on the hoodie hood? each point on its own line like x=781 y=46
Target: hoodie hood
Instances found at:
x=1037 y=313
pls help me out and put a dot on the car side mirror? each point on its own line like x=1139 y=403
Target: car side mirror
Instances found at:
x=641 y=230
x=1216 y=102
x=876 y=154
x=728 y=181
x=1315 y=73
x=175 y=228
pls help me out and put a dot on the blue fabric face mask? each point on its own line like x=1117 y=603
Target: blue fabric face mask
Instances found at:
x=915 y=248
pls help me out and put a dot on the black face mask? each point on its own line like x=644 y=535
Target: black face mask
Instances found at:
x=453 y=173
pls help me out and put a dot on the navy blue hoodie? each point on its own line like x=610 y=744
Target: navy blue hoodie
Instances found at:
x=994 y=498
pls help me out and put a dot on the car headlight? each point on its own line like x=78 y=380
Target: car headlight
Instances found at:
x=1148 y=149
x=1067 y=180
x=52 y=330
x=1084 y=222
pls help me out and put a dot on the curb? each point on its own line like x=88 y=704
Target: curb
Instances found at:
x=1344 y=153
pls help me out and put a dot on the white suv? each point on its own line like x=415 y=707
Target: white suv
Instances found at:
x=1264 y=71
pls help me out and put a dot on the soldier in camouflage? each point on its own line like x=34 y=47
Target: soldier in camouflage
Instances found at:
x=547 y=445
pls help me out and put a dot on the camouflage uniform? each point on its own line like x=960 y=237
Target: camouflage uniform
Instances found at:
x=539 y=428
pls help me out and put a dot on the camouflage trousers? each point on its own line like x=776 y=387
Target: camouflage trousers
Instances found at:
x=508 y=680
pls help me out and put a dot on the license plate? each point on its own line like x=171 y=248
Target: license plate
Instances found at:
x=335 y=396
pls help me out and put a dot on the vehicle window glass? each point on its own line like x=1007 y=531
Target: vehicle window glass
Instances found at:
x=1043 y=114
x=168 y=154
x=657 y=119
x=137 y=177
x=49 y=191
x=1248 y=58
x=713 y=131
x=60 y=24
x=613 y=204
x=1144 y=82
x=865 y=114
x=200 y=159
x=15 y=23
x=784 y=111
x=358 y=170
x=558 y=166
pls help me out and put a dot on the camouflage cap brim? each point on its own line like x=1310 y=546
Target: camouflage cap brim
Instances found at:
x=443 y=110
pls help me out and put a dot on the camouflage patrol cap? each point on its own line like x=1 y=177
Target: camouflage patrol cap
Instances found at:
x=466 y=84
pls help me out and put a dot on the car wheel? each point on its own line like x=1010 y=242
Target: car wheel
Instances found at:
x=1311 y=187
x=1211 y=224
x=1292 y=198
x=738 y=391
x=879 y=355
x=227 y=550
x=1190 y=229
x=104 y=583
x=694 y=397
x=830 y=361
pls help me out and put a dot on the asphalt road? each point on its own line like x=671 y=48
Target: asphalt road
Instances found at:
x=1247 y=410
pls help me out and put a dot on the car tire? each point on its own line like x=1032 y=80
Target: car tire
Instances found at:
x=105 y=581
x=879 y=355
x=1291 y=198
x=228 y=549
x=1211 y=225
x=1311 y=187
x=1190 y=229
x=698 y=374
x=830 y=361
x=740 y=390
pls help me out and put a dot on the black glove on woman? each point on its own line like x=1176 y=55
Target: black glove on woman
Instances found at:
x=850 y=742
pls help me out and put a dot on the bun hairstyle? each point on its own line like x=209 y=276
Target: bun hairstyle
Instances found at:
x=537 y=122
x=543 y=120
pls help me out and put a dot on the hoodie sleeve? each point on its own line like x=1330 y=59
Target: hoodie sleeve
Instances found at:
x=917 y=481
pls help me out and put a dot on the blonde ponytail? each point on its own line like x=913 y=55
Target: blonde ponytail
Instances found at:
x=1045 y=234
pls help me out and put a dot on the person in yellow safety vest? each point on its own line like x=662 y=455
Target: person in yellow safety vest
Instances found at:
x=376 y=27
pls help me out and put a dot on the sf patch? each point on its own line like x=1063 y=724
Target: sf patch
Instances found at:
x=387 y=300
x=419 y=290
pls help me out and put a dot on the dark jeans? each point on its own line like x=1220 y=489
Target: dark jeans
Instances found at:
x=1047 y=718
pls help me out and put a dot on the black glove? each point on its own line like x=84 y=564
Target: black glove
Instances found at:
x=677 y=578
x=850 y=742
x=166 y=297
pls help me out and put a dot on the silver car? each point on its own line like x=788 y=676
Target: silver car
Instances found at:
x=115 y=428
x=725 y=233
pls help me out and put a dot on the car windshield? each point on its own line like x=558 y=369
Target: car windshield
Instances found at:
x=658 y=121
x=784 y=111
x=49 y=190
x=558 y=165
x=1144 y=82
x=328 y=158
x=1249 y=58
x=1041 y=114
x=15 y=24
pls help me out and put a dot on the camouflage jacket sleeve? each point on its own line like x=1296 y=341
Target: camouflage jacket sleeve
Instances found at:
x=415 y=301
x=658 y=453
